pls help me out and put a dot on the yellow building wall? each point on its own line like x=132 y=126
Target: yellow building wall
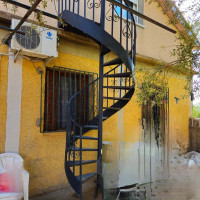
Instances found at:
x=178 y=114
x=3 y=91
x=43 y=153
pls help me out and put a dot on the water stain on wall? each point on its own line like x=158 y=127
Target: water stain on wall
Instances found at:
x=142 y=162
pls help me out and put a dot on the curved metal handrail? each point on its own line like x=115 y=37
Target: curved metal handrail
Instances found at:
x=127 y=59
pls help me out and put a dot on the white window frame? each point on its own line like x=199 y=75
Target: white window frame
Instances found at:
x=124 y=11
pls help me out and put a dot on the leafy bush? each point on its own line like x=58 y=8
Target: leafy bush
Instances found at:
x=196 y=111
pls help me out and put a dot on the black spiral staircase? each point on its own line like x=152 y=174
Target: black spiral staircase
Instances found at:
x=114 y=30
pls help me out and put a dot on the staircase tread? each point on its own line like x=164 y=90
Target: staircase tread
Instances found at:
x=90 y=126
x=84 y=162
x=104 y=117
x=117 y=98
x=87 y=137
x=113 y=62
x=127 y=74
x=118 y=87
x=85 y=149
x=85 y=177
x=111 y=108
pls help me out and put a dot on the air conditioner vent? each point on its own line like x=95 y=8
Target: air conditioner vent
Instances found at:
x=30 y=40
x=38 y=42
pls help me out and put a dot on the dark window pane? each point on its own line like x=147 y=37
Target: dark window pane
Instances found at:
x=60 y=85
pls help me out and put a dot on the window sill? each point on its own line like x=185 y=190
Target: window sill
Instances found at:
x=140 y=25
x=53 y=133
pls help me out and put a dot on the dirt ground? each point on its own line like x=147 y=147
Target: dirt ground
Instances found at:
x=183 y=184
x=69 y=194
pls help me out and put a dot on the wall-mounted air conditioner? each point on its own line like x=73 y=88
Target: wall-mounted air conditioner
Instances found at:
x=37 y=42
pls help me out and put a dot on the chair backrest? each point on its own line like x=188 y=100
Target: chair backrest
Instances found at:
x=11 y=165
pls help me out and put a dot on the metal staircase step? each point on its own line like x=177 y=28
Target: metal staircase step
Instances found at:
x=104 y=50
x=117 y=98
x=118 y=87
x=117 y=75
x=116 y=61
x=111 y=108
x=84 y=162
x=90 y=126
x=85 y=149
x=86 y=137
x=85 y=177
x=104 y=117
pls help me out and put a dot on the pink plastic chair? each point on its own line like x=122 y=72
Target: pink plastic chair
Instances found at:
x=14 y=179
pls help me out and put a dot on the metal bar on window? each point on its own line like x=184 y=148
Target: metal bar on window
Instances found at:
x=47 y=103
x=93 y=93
x=97 y=95
x=75 y=106
x=41 y=105
x=70 y=83
x=59 y=99
x=88 y=103
x=53 y=99
x=80 y=107
x=65 y=98
x=84 y=100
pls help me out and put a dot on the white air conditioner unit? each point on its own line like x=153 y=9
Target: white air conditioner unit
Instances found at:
x=37 y=42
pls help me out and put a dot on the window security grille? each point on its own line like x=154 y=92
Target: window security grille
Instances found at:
x=60 y=85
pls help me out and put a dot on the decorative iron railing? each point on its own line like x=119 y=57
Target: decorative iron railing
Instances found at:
x=118 y=22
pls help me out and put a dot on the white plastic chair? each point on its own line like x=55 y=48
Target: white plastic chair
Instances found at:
x=14 y=177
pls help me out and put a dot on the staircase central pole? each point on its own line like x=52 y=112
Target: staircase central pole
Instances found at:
x=100 y=125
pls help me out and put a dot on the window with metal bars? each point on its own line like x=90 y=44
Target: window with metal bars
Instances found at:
x=60 y=85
